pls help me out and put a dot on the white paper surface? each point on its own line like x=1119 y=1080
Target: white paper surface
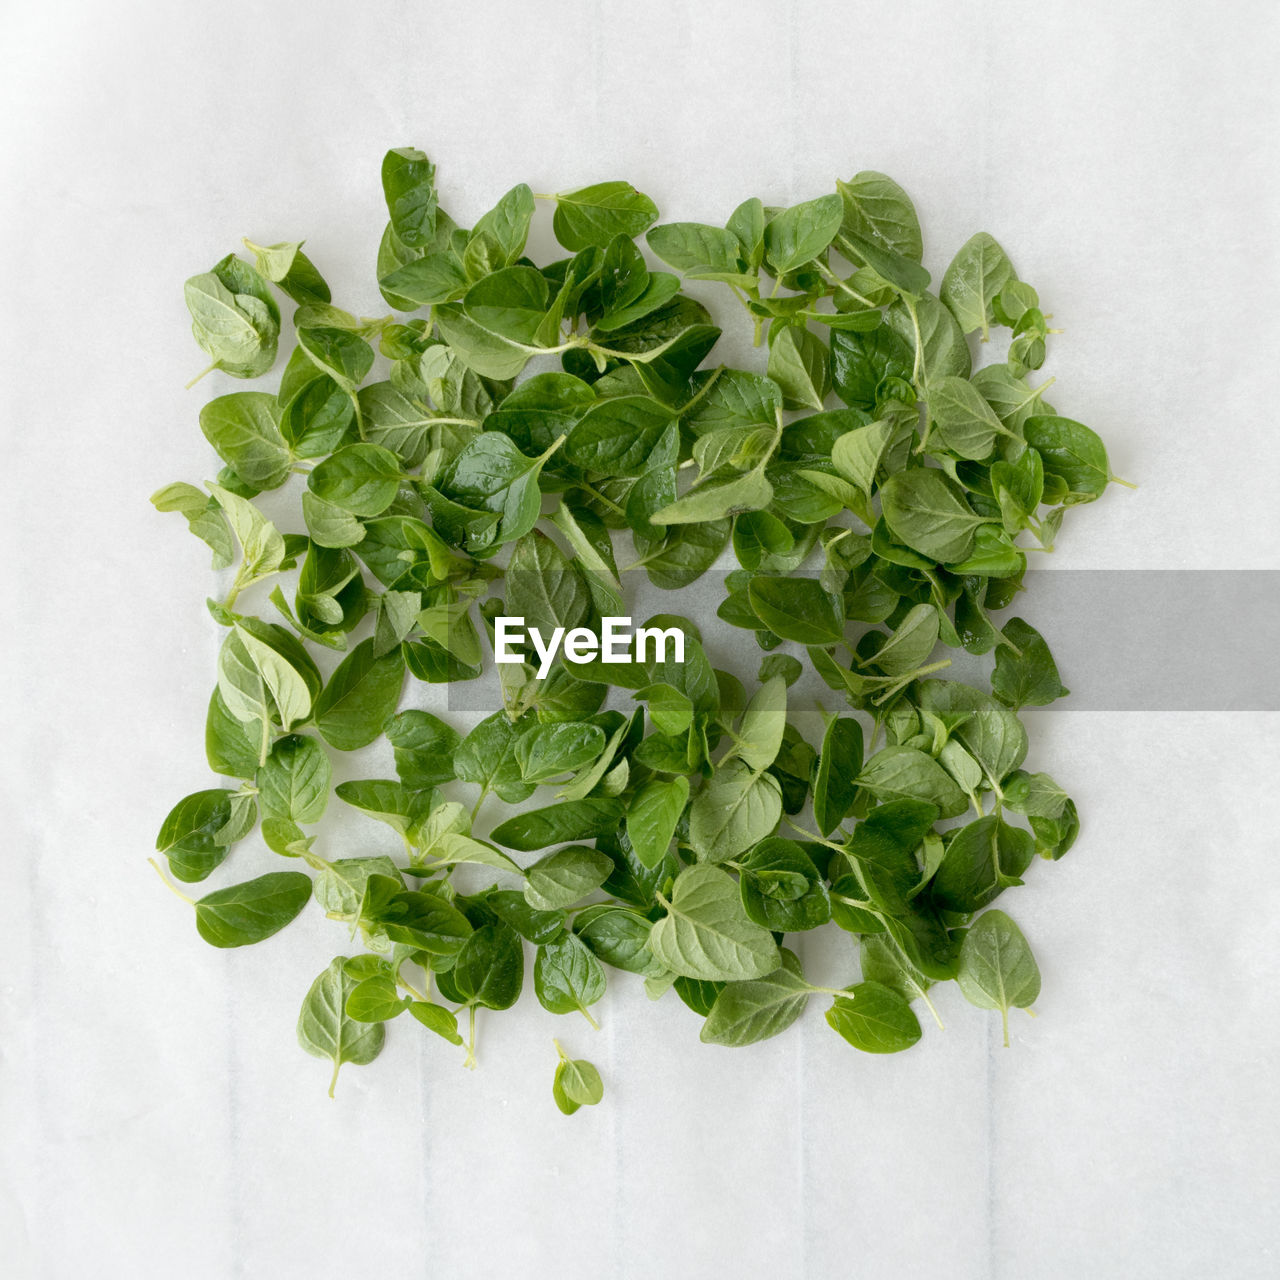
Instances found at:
x=156 y=1116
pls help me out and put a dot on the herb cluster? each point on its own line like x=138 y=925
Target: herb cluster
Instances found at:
x=689 y=828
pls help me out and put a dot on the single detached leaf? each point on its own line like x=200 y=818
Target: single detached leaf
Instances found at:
x=997 y=969
x=326 y=1030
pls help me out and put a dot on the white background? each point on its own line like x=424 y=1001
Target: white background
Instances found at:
x=156 y=1115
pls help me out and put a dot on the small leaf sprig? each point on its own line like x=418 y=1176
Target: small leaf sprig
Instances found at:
x=694 y=829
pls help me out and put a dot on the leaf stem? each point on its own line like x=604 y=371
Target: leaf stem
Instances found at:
x=168 y=884
x=817 y=839
x=200 y=375
x=470 y=1062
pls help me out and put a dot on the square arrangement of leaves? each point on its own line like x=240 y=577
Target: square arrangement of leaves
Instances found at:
x=877 y=493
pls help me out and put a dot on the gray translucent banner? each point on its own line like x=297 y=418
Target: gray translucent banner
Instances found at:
x=1124 y=640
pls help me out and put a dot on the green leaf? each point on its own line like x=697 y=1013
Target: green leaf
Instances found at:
x=970 y=285
x=653 y=815
x=594 y=215
x=904 y=275
x=203 y=516
x=486 y=756
x=907 y=773
x=615 y=437
x=990 y=731
x=981 y=861
x=860 y=362
x=548 y=751
x=244 y=429
x=408 y=183
x=234 y=318
x=758 y=1009
x=750 y=492
x=963 y=421
x=424 y=747
x=361 y=478
x=376 y=999
x=1025 y=674
x=510 y=303
x=325 y=1030
x=437 y=1018
x=230 y=747
x=839 y=763
x=564 y=877
x=391 y=802
x=877 y=209
x=576 y=1084
x=506 y=226
x=798 y=363
x=287 y=266
x=339 y=888
x=763 y=723
x=490 y=474
x=944 y=350
x=694 y=246
x=735 y=809
x=801 y=233
x=294 y=782
x=489 y=969
x=911 y=643
x=926 y=512
x=424 y=921
x=874 y=1018
x=997 y=969
x=360 y=698
x=189 y=834
x=557 y=823
x=1072 y=453
x=567 y=977
x=857 y=454
x=342 y=355
x=706 y=934
x=1011 y=398
x=250 y=912
x=883 y=961
x=782 y=889
x=797 y=609
x=1035 y=794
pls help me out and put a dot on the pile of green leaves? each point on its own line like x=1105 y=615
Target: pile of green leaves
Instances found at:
x=876 y=491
